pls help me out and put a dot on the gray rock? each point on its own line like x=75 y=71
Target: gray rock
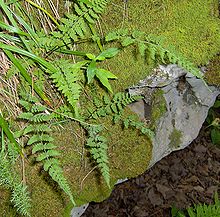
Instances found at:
x=78 y=211
x=188 y=100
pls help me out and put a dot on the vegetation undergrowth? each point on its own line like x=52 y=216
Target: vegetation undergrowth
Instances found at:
x=199 y=210
x=213 y=121
x=59 y=82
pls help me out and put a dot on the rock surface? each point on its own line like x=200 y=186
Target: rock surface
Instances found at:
x=188 y=100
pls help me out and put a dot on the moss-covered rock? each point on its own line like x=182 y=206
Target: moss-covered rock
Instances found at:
x=192 y=26
x=175 y=138
x=158 y=107
x=213 y=71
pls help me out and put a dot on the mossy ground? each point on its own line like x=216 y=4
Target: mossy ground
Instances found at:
x=128 y=157
x=192 y=26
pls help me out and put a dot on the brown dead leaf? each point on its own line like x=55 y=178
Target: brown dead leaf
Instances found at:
x=155 y=198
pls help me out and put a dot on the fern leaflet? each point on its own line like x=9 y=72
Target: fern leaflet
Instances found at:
x=113 y=106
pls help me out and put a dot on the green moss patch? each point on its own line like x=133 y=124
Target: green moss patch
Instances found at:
x=213 y=71
x=175 y=138
x=158 y=106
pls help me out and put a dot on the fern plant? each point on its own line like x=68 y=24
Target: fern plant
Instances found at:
x=75 y=27
x=9 y=179
x=153 y=46
x=98 y=147
x=42 y=143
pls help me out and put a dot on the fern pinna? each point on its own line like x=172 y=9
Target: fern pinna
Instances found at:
x=98 y=148
x=42 y=143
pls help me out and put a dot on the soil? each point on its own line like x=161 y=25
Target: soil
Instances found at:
x=183 y=178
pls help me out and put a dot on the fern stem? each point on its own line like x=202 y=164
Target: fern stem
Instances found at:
x=98 y=41
x=74 y=119
x=81 y=184
x=45 y=11
x=71 y=52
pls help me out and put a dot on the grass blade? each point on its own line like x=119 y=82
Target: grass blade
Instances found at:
x=8 y=133
x=12 y=29
x=27 y=77
x=6 y=10
x=37 y=59
x=10 y=38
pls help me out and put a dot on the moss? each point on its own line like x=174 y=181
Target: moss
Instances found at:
x=6 y=206
x=175 y=138
x=158 y=106
x=129 y=155
x=192 y=26
x=212 y=75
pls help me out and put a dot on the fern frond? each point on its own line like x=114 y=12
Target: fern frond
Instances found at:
x=21 y=199
x=37 y=128
x=26 y=105
x=47 y=154
x=41 y=142
x=26 y=115
x=154 y=46
x=9 y=179
x=62 y=111
x=68 y=79
x=57 y=175
x=131 y=121
x=13 y=154
x=98 y=148
x=38 y=108
x=113 y=106
x=49 y=162
x=41 y=117
x=74 y=27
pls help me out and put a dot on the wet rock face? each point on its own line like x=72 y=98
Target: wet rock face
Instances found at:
x=188 y=100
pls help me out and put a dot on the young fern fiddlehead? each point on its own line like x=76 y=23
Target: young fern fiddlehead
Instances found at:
x=41 y=141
